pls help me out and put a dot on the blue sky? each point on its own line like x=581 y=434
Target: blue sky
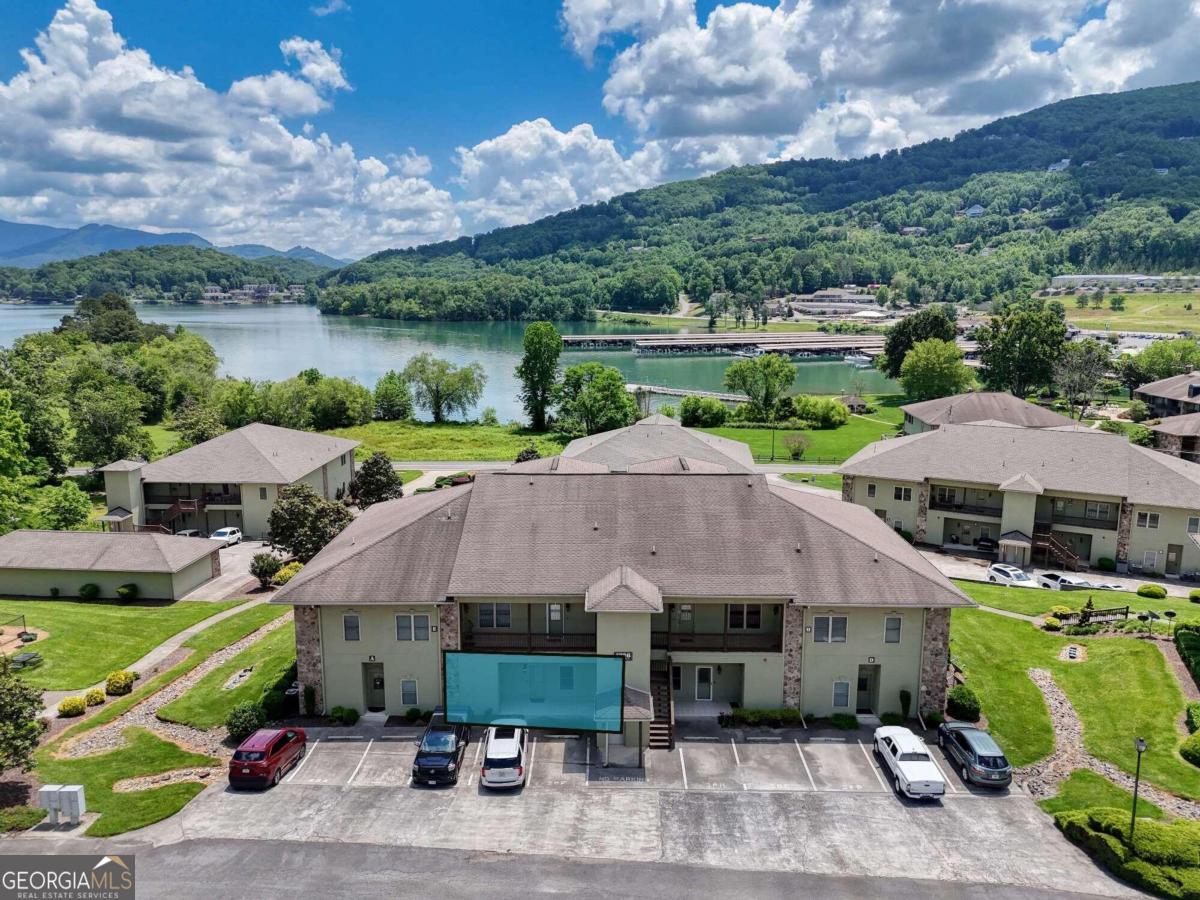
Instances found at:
x=394 y=123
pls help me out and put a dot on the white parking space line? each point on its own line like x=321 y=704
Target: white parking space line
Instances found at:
x=478 y=750
x=307 y=756
x=587 y=754
x=361 y=761
x=529 y=768
x=807 y=771
x=949 y=783
x=683 y=768
x=871 y=763
x=737 y=759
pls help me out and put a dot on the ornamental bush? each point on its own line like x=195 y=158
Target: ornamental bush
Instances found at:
x=69 y=707
x=243 y=720
x=1194 y=595
x=264 y=567
x=1190 y=749
x=94 y=697
x=1106 y=564
x=1050 y=624
x=963 y=704
x=1059 y=610
x=89 y=591
x=1152 y=591
x=119 y=682
x=286 y=574
x=127 y=591
x=1193 y=716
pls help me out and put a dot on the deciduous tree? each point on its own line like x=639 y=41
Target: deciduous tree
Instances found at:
x=302 y=521
x=931 y=322
x=393 y=398
x=376 y=481
x=592 y=398
x=763 y=379
x=1079 y=371
x=934 y=368
x=538 y=371
x=1019 y=350
x=64 y=507
x=441 y=387
x=21 y=725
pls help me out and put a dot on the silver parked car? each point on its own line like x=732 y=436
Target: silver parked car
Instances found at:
x=976 y=753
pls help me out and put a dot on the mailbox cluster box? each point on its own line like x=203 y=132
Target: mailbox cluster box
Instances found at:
x=66 y=800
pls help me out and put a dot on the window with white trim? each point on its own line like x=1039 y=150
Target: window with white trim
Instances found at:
x=412 y=627
x=262 y=493
x=902 y=493
x=1147 y=520
x=745 y=616
x=1193 y=524
x=408 y=692
x=891 y=629
x=350 y=629
x=829 y=629
x=841 y=695
x=870 y=490
x=1094 y=509
x=495 y=615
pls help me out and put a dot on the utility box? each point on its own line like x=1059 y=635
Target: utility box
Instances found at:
x=71 y=802
x=49 y=800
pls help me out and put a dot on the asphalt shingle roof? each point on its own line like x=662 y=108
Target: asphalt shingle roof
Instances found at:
x=1185 y=426
x=623 y=590
x=1174 y=388
x=983 y=405
x=253 y=454
x=1069 y=461
x=101 y=551
x=658 y=437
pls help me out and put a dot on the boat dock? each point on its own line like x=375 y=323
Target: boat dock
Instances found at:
x=665 y=391
x=796 y=342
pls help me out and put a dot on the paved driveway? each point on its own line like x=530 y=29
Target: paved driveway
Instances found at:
x=235 y=578
x=819 y=807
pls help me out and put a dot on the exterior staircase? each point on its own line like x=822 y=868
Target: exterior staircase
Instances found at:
x=1054 y=547
x=180 y=507
x=662 y=729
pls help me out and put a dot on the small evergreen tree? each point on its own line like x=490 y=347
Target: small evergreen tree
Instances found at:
x=376 y=481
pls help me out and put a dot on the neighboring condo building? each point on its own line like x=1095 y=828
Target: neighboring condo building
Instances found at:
x=1062 y=496
x=232 y=480
x=1174 y=396
x=718 y=587
x=978 y=406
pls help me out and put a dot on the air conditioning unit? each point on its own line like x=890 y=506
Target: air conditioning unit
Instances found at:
x=48 y=799
x=72 y=802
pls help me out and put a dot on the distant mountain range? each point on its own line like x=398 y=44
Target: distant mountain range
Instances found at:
x=30 y=246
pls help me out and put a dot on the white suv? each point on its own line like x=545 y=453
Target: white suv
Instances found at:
x=227 y=536
x=1003 y=573
x=503 y=757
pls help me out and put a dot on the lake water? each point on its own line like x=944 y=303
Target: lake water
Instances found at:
x=276 y=342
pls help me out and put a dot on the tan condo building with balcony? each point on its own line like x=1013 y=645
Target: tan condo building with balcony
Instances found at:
x=1055 y=496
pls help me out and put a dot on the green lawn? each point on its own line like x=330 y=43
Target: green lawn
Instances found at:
x=146 y=754
x=820 y=479
x=1036 y=601
x=1085 y=789
x=407 y=475
x=163 y=437
x=1124 y=689
x=207 y=703
x=89 y=639
x=1143 y=312
x=830 y=445
x=452 y=441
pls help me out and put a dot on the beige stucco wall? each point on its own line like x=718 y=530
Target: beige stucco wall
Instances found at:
x=823 y=664
x=1019 y=509
x=1172 y=529
x=38 y=582
x=343 y=659
x=897 y=510
x=754 y=680
x=124 y=489
x=191 y=577
x=256 y=510
x=627 y=633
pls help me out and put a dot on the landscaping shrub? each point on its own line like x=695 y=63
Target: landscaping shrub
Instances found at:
x=784 y=717
x=795 y=444
x=963 y=704
x=1190 y=749
x=274 y=705
x=243 y=720
x=702 y=412
x=349 y=715
x=1160 y=862
x=1106 y=564
x=94 y=697
x=127 y=591
x=1059 y=610
x=1194 y=595
x=529 y=454
x=1052 y=624
x=412 y=714
x=906 y=534
x=934 y=718
x=286 y=573
x=905 y=702
x=310 y=700
x=119 y=682
x=1152 y=591
x=1094 y=628
x=845 y=721
x=891 y=718
x=1193 y=716
x=54 y=592
x=264 y=567
x=70 y=707
x=89 y=591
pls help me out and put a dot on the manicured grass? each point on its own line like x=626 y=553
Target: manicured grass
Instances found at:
x=1143 y=312
x=450 y=441
x=163 y=437
x=207 y=703
x=1124 y=689
x=1085 y=789
x=820 y=479
x=20 y=818
x=1037 y=601
x=830 y=445
x=145 y=754
x=89 y=639
x=407 y=475
x=236 y=627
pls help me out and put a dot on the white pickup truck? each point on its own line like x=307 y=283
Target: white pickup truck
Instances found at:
x=913 y=770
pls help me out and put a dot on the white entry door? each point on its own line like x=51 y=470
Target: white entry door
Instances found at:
x=704 y=682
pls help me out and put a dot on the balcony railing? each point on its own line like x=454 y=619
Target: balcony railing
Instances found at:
x=727 y=641
x=509 y=640
x=1077 y=521
x=208 y=497
x=973 y=509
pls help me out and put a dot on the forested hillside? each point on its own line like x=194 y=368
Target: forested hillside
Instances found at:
x=1129 y=199
x=150 y=272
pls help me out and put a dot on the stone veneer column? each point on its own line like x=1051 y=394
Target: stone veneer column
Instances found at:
x=848 y=488
x=448 y=625
x=308 y=655
x=793 y=653
x=1124 y=527
x=1169 y=443
x=922 y=512
x=935 y=659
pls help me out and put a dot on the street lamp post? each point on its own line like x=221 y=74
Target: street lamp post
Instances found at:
x=1139 y=744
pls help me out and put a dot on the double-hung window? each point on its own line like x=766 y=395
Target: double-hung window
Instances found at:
x=1147 y=520
x=745 y=616
x=350 y=627
x=841 y=695
x=1193 y=524
x=870 y=490
x=495 y=615
x=412 y=627
x=891 y=629
x=902 y=493
x=829 y=629
x=408 y=692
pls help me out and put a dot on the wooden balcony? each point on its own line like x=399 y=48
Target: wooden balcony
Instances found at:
x=523 y=641
x=971 y=509
x=729 y=642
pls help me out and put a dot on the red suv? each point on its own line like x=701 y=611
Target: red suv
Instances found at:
x=263 y=757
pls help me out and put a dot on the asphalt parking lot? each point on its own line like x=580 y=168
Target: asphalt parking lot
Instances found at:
x=557 y=762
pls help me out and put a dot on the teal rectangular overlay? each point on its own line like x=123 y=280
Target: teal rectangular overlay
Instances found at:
x=542 y=690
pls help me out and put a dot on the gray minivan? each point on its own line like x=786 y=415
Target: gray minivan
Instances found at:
x=979 y=757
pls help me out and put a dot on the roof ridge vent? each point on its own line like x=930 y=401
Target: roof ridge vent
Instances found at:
x=653 y=549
